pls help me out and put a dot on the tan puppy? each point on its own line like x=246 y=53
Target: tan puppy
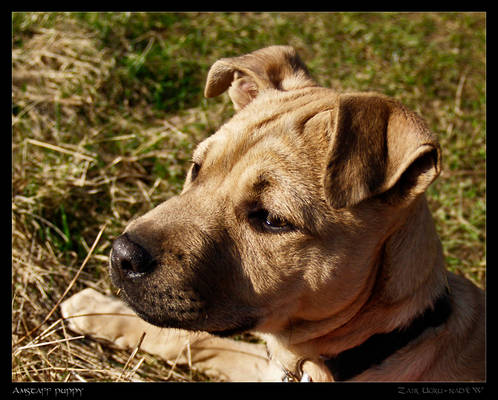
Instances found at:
x=304 y=218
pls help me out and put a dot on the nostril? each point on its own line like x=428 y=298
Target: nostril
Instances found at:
x=126 y=265
x=129 y=256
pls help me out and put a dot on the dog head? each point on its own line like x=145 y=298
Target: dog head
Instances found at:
x=284 y=208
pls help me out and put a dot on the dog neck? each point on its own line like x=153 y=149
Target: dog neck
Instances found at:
x=413 y=264
x=379 y=347
x=410 y=278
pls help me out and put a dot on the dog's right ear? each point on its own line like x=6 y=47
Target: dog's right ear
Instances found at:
x=277 y=67
x=379 y=148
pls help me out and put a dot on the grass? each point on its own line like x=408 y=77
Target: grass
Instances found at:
x=107 y=107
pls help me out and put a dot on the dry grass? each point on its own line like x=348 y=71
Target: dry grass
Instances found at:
x=57 y=75
x=97 y=138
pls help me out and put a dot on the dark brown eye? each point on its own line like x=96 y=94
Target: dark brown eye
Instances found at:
x=194 y=171
x=269 y=222
x=275 y=222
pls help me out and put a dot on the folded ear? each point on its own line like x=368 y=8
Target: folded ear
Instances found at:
x=378 y=148
x=277 y=67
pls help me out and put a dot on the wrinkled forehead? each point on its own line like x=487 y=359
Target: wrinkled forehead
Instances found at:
x=275 y=119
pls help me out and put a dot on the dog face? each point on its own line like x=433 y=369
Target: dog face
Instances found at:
x=284 y=208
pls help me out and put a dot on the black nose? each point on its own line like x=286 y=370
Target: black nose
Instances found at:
x=129 y=257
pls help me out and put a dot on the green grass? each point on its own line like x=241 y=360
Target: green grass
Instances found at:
x=107 y=108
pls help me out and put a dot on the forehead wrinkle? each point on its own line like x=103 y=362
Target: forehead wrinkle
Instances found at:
x=280 y=113
x=201 y=150
x=257 y=143
x=273 y=107
x=236 y=145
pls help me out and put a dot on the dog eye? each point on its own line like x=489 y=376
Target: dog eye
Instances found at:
x=194 y=171
x=270 y=222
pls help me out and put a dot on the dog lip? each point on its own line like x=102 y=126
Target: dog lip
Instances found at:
x=229 y=332
x=188 y=318
x=167 y=321
x=240 y=328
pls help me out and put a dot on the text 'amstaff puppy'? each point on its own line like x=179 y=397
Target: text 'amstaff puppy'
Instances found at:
x=303 y=218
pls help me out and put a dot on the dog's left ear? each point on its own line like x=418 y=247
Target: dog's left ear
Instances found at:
x=378 y=148
x=277 y=67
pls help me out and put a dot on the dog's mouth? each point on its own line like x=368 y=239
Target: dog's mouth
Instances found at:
x=184 y=310
x=165 y=306
x=186 y=295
